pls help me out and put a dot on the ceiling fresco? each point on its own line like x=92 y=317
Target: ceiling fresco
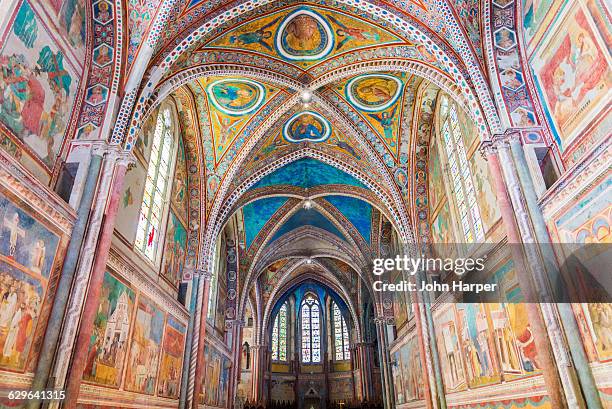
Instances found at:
x=307 y=173
x=256 y=215
x=378 y=98
x=304 y=36
x=230 y=104
x=307 y=217
x=357 y=211
x=247 y=67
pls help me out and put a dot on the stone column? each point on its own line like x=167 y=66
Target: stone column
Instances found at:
x=570 y=327
x=188 y=345
x=538 y=327
x=361 y=352
x=542 y=284
x=198 y=362
x=236 y=328
x=258 y=371
x=80 y=283
x=92 y=301
x=385 y=368
x=62 y=292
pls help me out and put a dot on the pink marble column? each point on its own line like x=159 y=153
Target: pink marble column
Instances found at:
x=538 y=328
x=200 y=361
x=423 y=354
x=92 y=301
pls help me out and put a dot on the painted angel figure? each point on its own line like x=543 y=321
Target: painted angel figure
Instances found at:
x=352 y=33
x=386 y=120
x=255 y=37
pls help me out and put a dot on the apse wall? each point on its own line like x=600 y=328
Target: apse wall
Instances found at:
x=42 y=55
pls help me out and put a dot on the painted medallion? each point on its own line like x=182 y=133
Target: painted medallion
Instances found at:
x=307 y=126
x=304 y=35
x=374 y=92
x=236 y=96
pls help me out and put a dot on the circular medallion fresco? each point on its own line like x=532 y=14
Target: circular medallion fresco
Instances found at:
x=304 y=35
x=236 y=96
x=307 y=126
x=374 y=92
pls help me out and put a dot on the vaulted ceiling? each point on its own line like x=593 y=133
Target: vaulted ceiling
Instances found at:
x=312 y=115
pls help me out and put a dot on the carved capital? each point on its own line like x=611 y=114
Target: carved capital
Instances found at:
x=487 y=148
x=203 y=273
x=126 y=158
x=101 y=148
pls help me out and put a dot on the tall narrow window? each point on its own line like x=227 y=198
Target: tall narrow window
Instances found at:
x=461 y=175
x=341 y=339
x=156 y=185
x=279 y=335
x=311 y=330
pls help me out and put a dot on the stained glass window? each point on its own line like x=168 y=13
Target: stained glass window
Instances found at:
x=279 y=335
x=311 y=330
x=156 y=185
x=461 y=174
x=341 y=341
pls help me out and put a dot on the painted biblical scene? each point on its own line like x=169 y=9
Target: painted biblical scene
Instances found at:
x=178 y=195
x=175 y=248
x=305 y=35
x=412 y=370
x=485 y=196
x=449 y=349
x=131 y=201
x=396 y=371
x=172 y=359
x=534 y=14
x=574 y=74
x=109 y=340
x=378 y=98
x=510 y=319
x=71 y=19
x=477 y=345
x=436 y=192
x=214 y=390
x=307 y=126
x=442 y=231
x=25 y=241
x=230 y=104
x=141 y=373
x=38 y=87
x=21 y=297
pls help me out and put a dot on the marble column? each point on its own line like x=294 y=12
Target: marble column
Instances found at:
x=536 y=321
x=570 y=327
x=62 y=292
x=92 y=301
x=259 y=368
x=383 y=347
x=424 y=353
x=188 y=345
x=78 y=291
x=199 y=342
x=236 y=328
x=361 y=350
x=542 y=284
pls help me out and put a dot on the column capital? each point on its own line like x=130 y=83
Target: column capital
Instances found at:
x=125 y=158
x=235 y=323
x=203 y=273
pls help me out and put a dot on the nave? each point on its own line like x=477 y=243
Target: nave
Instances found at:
x=196 y=198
